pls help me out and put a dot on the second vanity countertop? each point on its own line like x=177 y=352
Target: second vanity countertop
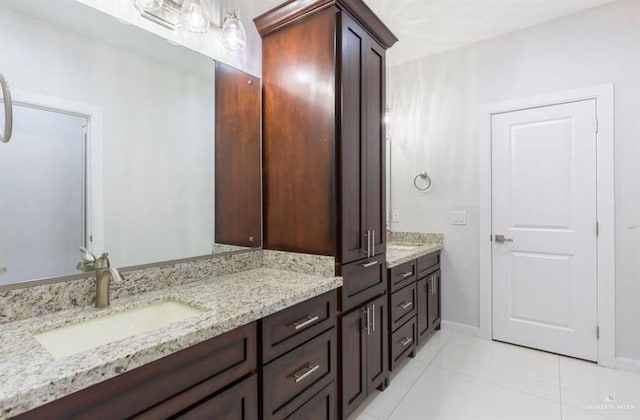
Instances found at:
x=31 y=377
x=397 y=254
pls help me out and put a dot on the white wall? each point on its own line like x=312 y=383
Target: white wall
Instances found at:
x=158 y=134
x=435 y=101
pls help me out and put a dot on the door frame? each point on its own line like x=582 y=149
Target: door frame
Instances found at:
x=605 y=180
x=94 y=153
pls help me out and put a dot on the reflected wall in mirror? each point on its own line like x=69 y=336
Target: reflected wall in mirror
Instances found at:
x=112 y=148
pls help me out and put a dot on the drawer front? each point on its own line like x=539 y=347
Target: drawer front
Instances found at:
x=402 y=275
x=218 y=361
x=320 y=407
x=301 y=373
x=428 y=263
x=291 y=327
x=403 y=342
x=362 y=281
x=239 y=402
x=403 y=306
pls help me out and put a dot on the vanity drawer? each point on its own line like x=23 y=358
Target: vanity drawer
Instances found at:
x=403 y=342
x=293 y=326
x=321 y=407
x=299 y=374
x=218 y=361
x=427 y=263
x=403 y=305
x=402 y=275
x=362 y=281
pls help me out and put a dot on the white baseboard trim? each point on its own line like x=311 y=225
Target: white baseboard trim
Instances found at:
x=461 y=328
x=630 y=365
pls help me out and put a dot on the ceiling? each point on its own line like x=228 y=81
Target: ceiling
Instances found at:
x=427 y=27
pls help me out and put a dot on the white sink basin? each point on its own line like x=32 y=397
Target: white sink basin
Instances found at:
x=402 y=247
x=76 y=338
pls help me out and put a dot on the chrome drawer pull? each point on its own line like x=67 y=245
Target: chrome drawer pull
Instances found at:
x=407 y=274
x=406 y=341
x=405 y=305
x=305 y=321
x=370 y=264
x=308 y=371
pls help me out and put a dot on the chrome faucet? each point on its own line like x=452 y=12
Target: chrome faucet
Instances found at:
x=104 y=275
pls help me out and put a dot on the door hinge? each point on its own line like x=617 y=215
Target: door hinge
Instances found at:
x=597 y=228
x=490 y=238
x=597 y=125
x=598 y=332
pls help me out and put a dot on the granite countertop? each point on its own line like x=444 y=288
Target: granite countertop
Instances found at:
x=30 y=376
x=403 y=247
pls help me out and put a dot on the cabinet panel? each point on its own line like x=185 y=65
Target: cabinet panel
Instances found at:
x=300 y=373
x=320 y=407
x=403 y=306
x=352 y=162
x=428 y=263
x=239 y=402
x=375 y=143
x=434 y=300
x=291 y=327
x=423 y=291
x=402 y=275
x=362 y=281
x=403 y=342
x=238 y=181
x=299 y=136
x=353 y=375
x=377 y=344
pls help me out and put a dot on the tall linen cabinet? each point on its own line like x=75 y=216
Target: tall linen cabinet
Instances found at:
x=323 y=68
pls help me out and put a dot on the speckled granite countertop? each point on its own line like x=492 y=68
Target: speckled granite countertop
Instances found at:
x=403 y=247
x=30 y=376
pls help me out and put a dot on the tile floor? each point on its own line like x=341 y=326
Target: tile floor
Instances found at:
x=457 y=377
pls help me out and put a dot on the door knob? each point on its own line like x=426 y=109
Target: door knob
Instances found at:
x=500 y=239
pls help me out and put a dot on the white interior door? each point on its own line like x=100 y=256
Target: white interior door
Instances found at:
x=544 y=204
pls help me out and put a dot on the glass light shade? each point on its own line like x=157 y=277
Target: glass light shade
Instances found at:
x=195 y=16
x=234 y=36
x=149 y=5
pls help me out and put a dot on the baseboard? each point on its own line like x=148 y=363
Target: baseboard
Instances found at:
x=461 y=328
x=630 y=365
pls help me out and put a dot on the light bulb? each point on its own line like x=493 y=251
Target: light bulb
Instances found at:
x=149 y=5
x=194 y=16
x=234 y=36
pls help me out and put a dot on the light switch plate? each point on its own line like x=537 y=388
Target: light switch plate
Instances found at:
x=395 y=216
x=459 y=218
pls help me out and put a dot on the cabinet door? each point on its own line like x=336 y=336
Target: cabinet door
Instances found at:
x=434 y=300
x=423 y=296
x=353 y=360
x=354 y=242
x=374 y=86
x=377 y=343
x=237 y=403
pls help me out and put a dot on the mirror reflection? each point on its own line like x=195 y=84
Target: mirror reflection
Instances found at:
x=113 y=146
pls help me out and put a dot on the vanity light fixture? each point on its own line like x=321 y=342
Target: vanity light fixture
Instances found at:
x=234 y=37
x=195 y=16
x=149 y=5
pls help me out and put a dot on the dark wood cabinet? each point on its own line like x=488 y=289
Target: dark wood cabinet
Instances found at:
x=323 y=107
x=238 y=196
x=240 y=402
x=411 y=326
x=321 y=407
x=364 y=353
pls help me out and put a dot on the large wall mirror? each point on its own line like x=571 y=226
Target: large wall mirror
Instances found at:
x=113 y=146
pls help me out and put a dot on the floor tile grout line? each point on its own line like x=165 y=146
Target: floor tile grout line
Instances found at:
x=560 y=386
x=497 y=384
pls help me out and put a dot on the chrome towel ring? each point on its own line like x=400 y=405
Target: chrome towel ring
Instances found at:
x=6 y=128
x=425 y=177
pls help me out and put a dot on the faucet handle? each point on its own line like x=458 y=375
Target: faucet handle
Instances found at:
x=103 y=263
x=87 y=260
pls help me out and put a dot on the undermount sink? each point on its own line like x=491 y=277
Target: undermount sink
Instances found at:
x=402 y=247
x=93 y=333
